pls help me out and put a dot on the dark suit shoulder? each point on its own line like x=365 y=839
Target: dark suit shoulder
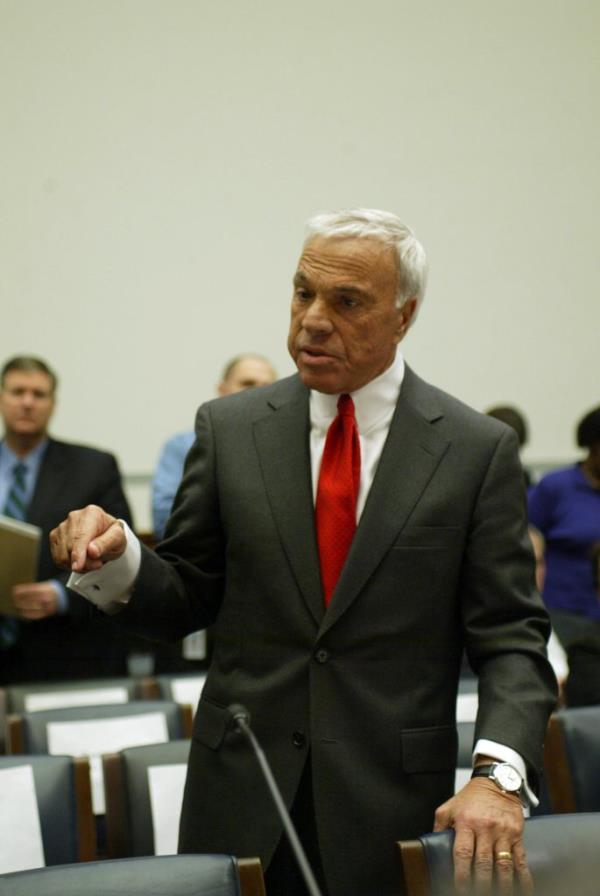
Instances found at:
x=436 y=404
x=254 y=403
x=74 y=452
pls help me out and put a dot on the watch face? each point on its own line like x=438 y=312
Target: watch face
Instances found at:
x=508 y=777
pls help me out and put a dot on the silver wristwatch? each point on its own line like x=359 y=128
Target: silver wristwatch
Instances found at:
x=504 y=776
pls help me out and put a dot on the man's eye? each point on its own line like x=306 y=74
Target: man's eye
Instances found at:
x=302 y=295
x=349 y=302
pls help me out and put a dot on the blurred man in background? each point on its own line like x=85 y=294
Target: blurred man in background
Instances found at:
x=242 y=372
x=52 y=634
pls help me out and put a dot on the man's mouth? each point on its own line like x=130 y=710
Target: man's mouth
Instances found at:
x=314 y=352
x=315 y=357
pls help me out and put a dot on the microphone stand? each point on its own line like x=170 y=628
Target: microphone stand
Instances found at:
x=241 y=717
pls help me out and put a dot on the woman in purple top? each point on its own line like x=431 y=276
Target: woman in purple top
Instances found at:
x=565 y=507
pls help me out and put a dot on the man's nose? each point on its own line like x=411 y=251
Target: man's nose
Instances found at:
x=316 y=318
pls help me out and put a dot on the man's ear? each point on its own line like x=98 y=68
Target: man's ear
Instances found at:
x=221 y=389
x=405 y=317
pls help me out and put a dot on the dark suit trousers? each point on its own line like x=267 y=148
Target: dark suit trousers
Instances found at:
x=283 y=876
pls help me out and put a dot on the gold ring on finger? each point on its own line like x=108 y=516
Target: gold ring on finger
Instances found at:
x=504 y=854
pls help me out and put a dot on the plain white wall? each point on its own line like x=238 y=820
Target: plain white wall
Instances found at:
x=159 y=159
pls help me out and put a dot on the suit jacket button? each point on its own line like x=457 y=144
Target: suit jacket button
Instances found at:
x=322 y=655
x=298 y=739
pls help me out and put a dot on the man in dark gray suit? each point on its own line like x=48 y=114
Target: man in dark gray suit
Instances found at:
x=352 y=683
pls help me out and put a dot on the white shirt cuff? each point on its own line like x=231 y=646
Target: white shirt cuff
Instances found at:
x=505 y=754
x=110 y=588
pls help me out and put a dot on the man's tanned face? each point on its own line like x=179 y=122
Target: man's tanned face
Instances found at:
x=345 y=325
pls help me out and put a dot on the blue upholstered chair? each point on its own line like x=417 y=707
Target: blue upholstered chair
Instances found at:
x=563 y=853
x=185 y=875
x=130 y=810
x=64 y=806
x=32 y=697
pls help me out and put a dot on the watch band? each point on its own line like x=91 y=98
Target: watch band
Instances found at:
x=483 y=771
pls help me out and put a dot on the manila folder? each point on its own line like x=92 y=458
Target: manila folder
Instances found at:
x=19 y=546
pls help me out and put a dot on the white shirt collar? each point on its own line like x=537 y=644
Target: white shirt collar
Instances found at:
x=30 y=461
x=373 y=402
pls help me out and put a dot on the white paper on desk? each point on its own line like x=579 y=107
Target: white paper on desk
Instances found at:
x=20 y=832
x=466 y=707
x=188 y=690
x=93 y=737
x=165 y=783
x=36 y=702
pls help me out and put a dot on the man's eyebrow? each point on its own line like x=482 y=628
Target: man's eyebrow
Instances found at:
x=349 y=287
x=301 y=279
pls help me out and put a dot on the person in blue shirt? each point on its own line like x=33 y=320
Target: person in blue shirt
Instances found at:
x=565 y=506
x=242 y=372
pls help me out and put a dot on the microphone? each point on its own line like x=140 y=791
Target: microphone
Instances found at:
x=241 y=720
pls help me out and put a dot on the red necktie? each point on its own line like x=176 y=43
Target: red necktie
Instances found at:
x=339 y=479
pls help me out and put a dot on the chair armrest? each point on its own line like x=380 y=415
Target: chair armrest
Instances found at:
x=414 y=867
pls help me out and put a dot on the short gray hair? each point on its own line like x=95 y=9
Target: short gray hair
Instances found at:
x=411 y=261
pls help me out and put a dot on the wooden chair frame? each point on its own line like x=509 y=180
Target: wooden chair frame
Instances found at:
x=252 y=882
x=413 y=866
x=118 y=841
x=557 y=770
x=86 y=826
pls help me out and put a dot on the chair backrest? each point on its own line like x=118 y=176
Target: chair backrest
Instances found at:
x=572 y=759
x=184 y=689
x=184 y=875
x=144 y=789
x=46 y=808
x=39 y=732
x=94 y=730
x=562 y=852
x=38 y=696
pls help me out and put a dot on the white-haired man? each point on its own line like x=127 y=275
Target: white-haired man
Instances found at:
x=348 y=530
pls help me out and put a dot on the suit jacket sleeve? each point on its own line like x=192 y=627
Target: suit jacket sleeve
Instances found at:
x=72 y=477
x=183 y=595
x=505 y=624
x=106 y=486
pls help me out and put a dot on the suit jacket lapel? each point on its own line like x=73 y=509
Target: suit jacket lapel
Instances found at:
x=49 y=483
x=411 y=454
x=283 y=446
